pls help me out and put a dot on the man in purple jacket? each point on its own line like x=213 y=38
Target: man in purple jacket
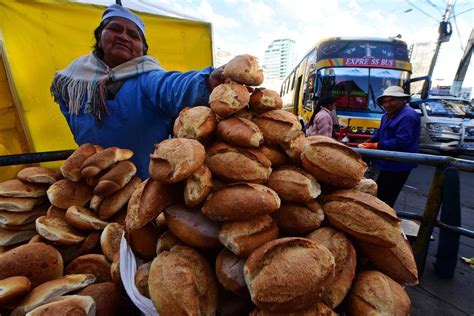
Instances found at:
x=399 y=131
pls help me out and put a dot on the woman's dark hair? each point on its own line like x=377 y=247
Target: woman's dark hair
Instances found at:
x=324 y=101
x=99 y=52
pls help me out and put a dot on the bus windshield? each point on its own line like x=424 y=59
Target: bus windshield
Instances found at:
x=358 y=88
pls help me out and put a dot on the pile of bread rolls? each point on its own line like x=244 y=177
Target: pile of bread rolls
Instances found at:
x=242 y=214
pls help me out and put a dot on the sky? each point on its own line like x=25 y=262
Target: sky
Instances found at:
x=242 y=26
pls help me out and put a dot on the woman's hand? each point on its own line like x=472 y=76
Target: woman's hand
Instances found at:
x=216 y=78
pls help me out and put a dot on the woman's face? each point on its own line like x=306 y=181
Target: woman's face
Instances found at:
x=121 y=41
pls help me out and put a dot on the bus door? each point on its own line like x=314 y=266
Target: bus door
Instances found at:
x=297 y=91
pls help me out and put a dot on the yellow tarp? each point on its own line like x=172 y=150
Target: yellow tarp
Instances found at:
x=40 y=37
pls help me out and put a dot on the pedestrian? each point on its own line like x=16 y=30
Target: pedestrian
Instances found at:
x=120 y=96
x=399 y=131
x=321 y=122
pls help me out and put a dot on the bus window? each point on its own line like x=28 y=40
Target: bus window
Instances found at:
x=283 y=88
x=308 y=94
x=381 y=79
x=292 y=80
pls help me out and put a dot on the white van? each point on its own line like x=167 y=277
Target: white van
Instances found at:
x=446 y=124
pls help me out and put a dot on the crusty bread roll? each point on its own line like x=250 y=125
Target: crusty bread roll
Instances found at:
x=115 y=270
x=167 y=241
x=262 y=100
x=18 y=188
x=20 y=218
x=318 y=309
x=299 y=219
x=18 y=204
x=110 y=240
x=58 y=231
x=397 y=262
x=244 y=113
x=147 y=202
x=38 y=261
x=278 y=126
x=198 y=186
x=192 y=226
x=65 y=193
x=244 y=69
x=181 y=282
x=52 y=289
x=115 y=179
x=332 y=162
x=176 y=159
x=228 y=98
x=294 y=147
x=88 y=245
x=345 y=258
x=357 y=213
x=288 y=274
x=237 y=164
x=367 y=185
x=195 y=123
x=107 y=297
x=141 y=279
x=71 y=168
x=82 y=218
x=143 y=241
x=294 y=184
x=242 y=237
x=374 y=293
x=54 y=211
x=39 y=175
x=23 y=227
x=112 y=204
x=103 y=160
x=240 y=131
x=230 y=272
x=74 y=305
x=240 y=201
x=275 y=154
x=94 y=264
x=10 y=237
x=35 y=238
x=13 y=287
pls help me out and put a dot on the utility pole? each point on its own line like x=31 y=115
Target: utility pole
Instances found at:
x=444 y=31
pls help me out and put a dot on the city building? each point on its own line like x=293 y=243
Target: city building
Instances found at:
x=420 y=57
x=280 y=58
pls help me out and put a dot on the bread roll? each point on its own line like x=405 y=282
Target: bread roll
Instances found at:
x=107 y=297
x=94 y=264
x=240 y=131
x=294 y=184
x=75 y=305
x=54 y=211
x=82 y=218
x=237 y=164
x=345 y=258
x=230 y=272
x=115 y=179
x=66 y=193
x=110 y=240
x=58 y=231
x=103 y=160
x=27 y=226
x=367 y=186
x=12 y=237
x=244 y=113
x=275 y=154
x=198 y=186
x=374 y=293
x=318 y=309
x=294 y=147
x=141 y=279
x=242 y=237
x=143 y=241
x=147 y=202
x=39 y=175
x=278 y=126
x=192 y=226
x=176 y=159
x=13 y=287
x=167 y=241
x=263 y=100
x=332 y=162
x=71 y=168
x=240 y=201
x=18 y=204
x=15 y=218
x=363 y=216
x=228 y=98
x=112 y=204
x=181 y=282
x=288 y=274
x=299 y=219
x=244 y=69
x=52 y=289
x=115 y=270
x=397 y=262
x=18 y=188
x=195 y=123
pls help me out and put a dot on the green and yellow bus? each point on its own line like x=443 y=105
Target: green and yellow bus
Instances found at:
x=355 y=71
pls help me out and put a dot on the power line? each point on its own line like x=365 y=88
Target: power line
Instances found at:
x=464 y=11
x=435 y=6
x=409 y=2
x=457 y=29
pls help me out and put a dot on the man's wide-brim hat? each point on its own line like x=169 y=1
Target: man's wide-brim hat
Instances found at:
x=116 y=10
x=393 y=91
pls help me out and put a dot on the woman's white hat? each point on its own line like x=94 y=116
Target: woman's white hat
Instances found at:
x=393 y=91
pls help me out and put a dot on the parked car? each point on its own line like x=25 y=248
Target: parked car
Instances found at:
x=446 y=124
